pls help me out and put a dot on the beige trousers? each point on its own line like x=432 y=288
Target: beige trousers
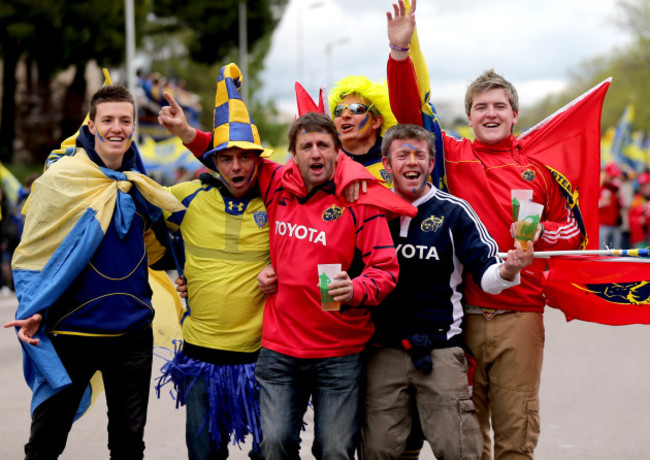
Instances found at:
x=447 y=413
x=509 y=351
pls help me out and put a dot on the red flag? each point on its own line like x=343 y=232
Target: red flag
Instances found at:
x=306 y=103
x=613 y=291
x=568 y=143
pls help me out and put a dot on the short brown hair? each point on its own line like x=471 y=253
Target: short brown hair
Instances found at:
x=109 y=93
x=313 y=122
x=490 y=80
x=406 y=131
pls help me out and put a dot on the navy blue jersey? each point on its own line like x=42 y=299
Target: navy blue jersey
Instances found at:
x=445 y=238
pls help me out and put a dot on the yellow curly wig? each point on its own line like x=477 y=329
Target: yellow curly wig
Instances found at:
x=376 y=93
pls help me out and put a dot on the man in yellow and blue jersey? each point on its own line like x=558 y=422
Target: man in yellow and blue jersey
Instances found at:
x=225 y=233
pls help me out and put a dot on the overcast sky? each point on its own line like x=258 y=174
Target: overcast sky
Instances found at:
x=535 y=44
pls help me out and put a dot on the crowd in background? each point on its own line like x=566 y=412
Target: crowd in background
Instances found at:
x=11 y=228
x=624 y=208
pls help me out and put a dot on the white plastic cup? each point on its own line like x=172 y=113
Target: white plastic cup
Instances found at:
x=527 y=221
x=326 y=274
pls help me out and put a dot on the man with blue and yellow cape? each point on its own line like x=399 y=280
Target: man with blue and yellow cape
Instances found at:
x=81 y=275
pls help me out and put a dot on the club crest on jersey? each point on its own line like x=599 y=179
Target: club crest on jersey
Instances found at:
x=528 y=175
x=332 y=213
x=432 y=223
x=261 y=218
x=635 y=293
x=387 y=177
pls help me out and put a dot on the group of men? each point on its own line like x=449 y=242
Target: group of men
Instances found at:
x=420 y=285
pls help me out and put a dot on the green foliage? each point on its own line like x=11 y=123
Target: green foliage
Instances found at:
x=60 y=33
x=213 y=25
x=208 y=34
x=271 y=133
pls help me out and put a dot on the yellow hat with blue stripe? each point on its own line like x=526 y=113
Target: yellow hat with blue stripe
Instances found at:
x=233 y=124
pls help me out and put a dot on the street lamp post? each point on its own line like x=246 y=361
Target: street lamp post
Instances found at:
x=129 y=24
x=243 y=49
x=299 y=47
x=328 y=54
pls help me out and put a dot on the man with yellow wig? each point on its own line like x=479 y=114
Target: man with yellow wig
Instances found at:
x=361 y=112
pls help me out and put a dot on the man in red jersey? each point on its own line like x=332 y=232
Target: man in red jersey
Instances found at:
x=307 y=351
x=505 y=332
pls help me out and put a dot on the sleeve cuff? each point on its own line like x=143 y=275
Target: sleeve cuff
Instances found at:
x=493 y=283
x=200 y=143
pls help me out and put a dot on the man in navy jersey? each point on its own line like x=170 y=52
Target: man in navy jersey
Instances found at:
x=418 y=350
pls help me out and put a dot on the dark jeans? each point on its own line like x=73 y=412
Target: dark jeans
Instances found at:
x=125 y=363
x=286 y=383
x=200 y=445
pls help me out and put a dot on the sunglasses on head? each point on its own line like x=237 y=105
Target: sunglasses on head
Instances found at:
x=355 y=109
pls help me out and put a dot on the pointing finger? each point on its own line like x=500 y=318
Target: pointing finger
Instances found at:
x=175 y=108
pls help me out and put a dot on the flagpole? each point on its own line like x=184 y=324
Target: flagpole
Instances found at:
x=588 y=252
x=129 y=24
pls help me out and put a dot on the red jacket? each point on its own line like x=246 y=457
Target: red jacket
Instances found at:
x=323 y=228
x=610 y=205
x=484 y=175
x=320 y=228
x=639 y=220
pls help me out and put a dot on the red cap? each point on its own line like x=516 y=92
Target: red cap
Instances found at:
x=613 y=170
x=644 y=178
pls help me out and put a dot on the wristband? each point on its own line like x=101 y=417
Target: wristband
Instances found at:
x=397 y=48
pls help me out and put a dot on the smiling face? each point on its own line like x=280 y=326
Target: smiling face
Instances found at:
x=491 y=116
x=358 y=133
x=410 y=164
x=113 y=129
x=315 y=155
x=238 y=169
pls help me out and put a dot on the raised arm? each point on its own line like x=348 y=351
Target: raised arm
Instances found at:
x=402 y=80
x=400 y=29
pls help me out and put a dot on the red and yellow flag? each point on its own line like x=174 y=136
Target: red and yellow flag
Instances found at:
x=613 y=291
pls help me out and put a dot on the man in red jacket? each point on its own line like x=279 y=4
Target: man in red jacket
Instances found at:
x=610 y=207
x=307 y=351
x=639 y=213
x=505 y=332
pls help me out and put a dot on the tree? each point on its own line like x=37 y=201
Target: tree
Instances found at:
x=54 y=35
x=19 y=22
x=209 y=33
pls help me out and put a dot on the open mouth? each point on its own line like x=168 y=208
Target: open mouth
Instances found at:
x=317 y=167
x=412 y=175
x=345 y=127
x=491 y=125
x=237 y=179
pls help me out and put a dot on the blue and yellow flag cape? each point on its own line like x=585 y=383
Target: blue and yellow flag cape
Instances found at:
x=430 y=119
x=70 y=209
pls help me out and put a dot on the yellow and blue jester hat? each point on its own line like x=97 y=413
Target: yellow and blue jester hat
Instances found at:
x=233 y=124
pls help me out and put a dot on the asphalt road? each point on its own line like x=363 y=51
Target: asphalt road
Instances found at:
x=594 y=399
